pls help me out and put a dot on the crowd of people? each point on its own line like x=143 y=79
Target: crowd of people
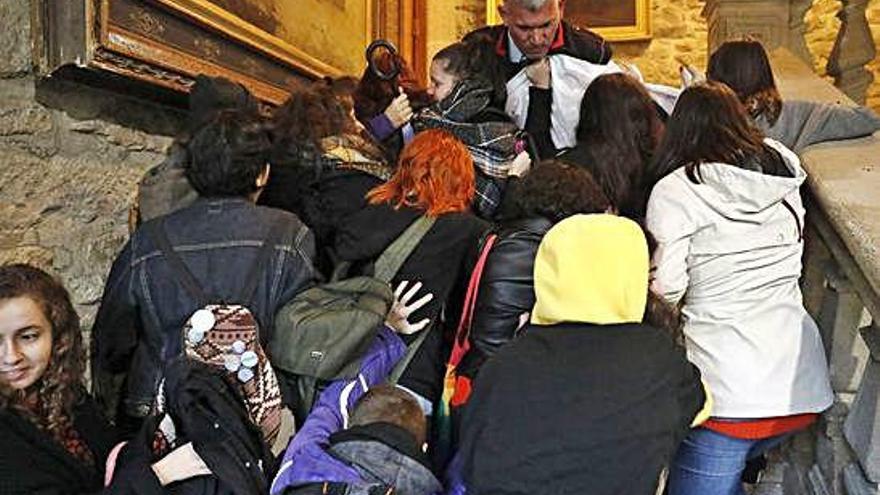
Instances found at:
x=582 y=287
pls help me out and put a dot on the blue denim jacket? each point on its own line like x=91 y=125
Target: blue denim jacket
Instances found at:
x=144 y=308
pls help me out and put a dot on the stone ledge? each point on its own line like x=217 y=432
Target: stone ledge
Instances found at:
x=843 y=176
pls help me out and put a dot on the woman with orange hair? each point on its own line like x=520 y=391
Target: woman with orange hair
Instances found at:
x=435 y=177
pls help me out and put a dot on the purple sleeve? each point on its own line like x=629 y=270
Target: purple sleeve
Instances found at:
x=380 y=127
x=305 y=460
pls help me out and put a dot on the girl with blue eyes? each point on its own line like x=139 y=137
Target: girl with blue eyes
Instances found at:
x=54 y=439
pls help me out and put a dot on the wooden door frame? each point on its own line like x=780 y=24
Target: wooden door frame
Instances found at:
x=406 y=27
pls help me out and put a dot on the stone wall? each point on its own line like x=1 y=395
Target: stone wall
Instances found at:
x=70 y=156
x=679 y=31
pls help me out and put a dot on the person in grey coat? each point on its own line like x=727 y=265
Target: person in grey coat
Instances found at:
x=743 y=65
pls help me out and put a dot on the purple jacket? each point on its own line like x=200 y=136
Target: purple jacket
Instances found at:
x=306 y=460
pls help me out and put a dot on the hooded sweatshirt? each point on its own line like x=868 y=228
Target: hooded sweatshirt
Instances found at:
x=731 y=247
x=588 y=400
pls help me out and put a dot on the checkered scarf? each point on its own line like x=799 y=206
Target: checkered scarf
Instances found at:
x=492 y=144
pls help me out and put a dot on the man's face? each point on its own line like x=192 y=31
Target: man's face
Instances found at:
x=532 y=31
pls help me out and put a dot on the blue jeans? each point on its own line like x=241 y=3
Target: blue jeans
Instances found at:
x=709 y=463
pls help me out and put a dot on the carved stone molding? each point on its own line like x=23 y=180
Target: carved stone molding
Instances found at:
x=765 y=20
x=853 y=49
x=796 y=28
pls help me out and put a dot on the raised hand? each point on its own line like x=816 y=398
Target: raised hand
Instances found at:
x=399 y=110
x=402 y=308
x=539 y=73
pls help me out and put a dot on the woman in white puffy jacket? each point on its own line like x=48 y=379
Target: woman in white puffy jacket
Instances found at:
x=728 y=219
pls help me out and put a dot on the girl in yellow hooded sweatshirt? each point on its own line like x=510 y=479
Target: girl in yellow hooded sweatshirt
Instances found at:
x=589 y=399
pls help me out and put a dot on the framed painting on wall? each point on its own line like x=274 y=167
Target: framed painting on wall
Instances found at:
x=270 y=46
x=615 y=20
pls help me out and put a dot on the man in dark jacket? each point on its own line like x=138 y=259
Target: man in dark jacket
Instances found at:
x=533 y=39
x=218 y=239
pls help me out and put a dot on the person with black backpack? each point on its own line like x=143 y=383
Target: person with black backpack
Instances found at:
x=222 y=257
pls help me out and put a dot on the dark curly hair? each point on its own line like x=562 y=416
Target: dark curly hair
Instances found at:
x=310 y=115
x=61 y=386
x=554 y=190
x=228 y=154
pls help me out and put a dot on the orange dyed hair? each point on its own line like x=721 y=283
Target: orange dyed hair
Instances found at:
x=435 y=173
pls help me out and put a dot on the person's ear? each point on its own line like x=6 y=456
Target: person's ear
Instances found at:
x=263 y=178
x=502 y=13
x=561 y=9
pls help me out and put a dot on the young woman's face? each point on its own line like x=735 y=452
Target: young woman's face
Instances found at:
x=25 y=342
x=442 y=82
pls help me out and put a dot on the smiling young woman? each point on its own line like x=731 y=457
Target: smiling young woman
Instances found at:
x=53 y=437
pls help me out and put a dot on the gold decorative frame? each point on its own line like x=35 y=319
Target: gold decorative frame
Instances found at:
x=639 y=30
x=214 y=17
x=168 y=42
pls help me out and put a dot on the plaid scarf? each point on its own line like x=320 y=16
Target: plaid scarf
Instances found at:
x=492 y=144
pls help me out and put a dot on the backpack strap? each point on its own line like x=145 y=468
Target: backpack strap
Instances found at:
x=156 y=231
x=411 y=351
x=461 y=343
x=395 y=255
x=797 y=220
x=263 y=257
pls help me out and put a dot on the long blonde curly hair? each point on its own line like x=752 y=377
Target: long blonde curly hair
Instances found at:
x=61 y=386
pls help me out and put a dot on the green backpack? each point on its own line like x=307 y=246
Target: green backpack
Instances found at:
x=323 y=332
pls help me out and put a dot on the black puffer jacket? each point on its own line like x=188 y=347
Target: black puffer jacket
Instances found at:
x=507 y=284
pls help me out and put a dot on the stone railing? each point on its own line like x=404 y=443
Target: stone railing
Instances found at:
x=842 y=291
x=780 y=23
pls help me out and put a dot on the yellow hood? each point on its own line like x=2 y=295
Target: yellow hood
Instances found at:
x=591 y=269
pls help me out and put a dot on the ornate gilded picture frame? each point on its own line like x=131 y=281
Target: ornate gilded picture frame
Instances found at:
x=615 y=20
x=270 y=46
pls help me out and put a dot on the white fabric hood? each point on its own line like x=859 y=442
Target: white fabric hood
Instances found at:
x=740 y=194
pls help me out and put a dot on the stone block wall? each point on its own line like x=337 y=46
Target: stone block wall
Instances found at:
x=70 y=157
x=679 y=31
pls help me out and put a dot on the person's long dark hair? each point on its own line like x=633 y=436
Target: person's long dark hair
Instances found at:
x=618 y=133
x=743 y=65
x=709 y=124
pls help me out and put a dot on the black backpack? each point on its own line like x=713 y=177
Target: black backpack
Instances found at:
x=207 y=410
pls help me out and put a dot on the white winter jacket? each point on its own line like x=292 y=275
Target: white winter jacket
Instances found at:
x=732 y=247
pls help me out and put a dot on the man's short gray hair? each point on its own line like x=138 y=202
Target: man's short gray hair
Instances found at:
x=532 y=5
